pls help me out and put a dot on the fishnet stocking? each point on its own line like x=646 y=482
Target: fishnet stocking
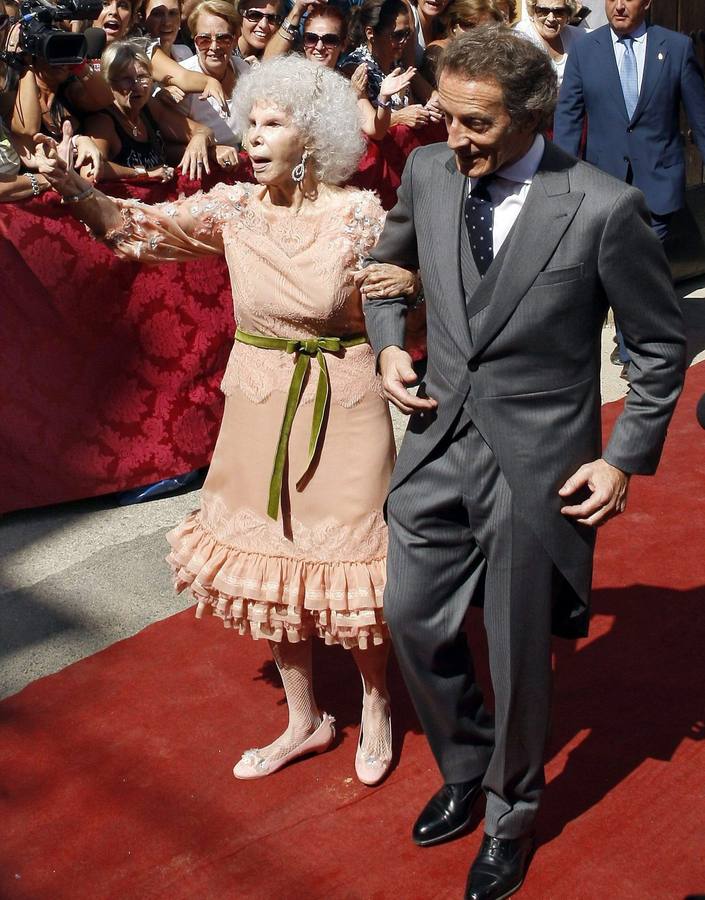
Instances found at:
x=375 y=723
x=294 y=664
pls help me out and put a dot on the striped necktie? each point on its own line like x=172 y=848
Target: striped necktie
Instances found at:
x=628 y=75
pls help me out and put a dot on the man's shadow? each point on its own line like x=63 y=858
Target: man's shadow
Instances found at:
x=638 y=690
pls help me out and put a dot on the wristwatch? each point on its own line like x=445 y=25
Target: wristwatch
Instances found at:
x=288 y=27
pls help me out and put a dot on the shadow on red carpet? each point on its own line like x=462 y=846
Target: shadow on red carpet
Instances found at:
x=116 y=772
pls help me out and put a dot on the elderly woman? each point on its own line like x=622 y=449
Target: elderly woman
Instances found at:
x=134 y=131
x=325 y=34
x=548 y=28
x=215 y=26
x=290 y=540
x=459 y=16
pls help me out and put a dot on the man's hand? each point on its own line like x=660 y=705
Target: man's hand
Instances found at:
x=397 y=372
x=380 y=280
x=608 y=488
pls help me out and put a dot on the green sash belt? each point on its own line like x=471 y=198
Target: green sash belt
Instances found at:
x=305 y=349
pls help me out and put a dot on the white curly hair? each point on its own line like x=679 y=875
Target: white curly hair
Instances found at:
x=321 y=103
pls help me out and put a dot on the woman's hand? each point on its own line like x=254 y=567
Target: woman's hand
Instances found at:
x=171 y=94
x=414 y=116
x=88 y=159
x=380 y=280
x=195 y=158
x=161 y=173
x=214 y=89
x=395 y=82
x=433 y=105
x=358 y=81
x=55 y=163
x=226 y=156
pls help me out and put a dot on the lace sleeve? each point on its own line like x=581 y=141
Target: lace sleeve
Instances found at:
x=177 y=230
x=365 y=223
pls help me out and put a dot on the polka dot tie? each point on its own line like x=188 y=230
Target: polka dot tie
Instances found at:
x=479 y=213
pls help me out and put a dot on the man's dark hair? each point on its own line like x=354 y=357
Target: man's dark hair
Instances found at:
x=523 y=71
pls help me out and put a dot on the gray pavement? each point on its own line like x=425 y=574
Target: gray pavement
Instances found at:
x=77 y=577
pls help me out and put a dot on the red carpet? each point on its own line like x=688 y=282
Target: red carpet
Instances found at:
x=116 y=772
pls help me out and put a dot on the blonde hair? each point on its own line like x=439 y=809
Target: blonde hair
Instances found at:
x=322 y=106
x=118 y=56
x=220 y=8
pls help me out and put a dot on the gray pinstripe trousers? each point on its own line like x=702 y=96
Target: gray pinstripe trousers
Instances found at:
x=455 y=538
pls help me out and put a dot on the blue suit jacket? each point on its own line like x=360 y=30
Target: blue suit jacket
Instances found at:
x=651 y=141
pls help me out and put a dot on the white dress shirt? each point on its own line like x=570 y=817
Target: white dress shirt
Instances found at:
x=508 y=190
x=639 y=47
x=208 y=111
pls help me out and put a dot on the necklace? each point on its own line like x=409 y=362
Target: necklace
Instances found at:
x=135 y=129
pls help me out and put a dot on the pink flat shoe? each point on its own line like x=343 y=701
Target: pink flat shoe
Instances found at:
x=254 y=765
x=371 y=769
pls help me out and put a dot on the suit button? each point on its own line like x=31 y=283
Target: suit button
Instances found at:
x=473 y=366
x=626 y=159
x=629 y=130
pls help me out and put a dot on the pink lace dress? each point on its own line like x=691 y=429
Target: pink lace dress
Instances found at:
x=320 y=567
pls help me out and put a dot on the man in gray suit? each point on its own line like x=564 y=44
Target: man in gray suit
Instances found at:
x=500 y=481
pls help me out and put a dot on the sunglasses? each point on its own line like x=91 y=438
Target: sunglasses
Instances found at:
x=222 y=40
x=559 y=12
x=401 y=35
x=127 y=84
x=255 y=15
x=329 y=41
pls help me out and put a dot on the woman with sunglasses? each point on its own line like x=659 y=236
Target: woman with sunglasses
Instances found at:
x=137 y=134
x=547 y=27
x=259 y=23
x=215 y=26
x=325 y=33
x=290 y=540
x=459 y=16
x=379 y=31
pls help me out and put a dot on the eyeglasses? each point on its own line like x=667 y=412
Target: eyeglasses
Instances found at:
x=330 y=41
x=127 y=84
x=559 y=12
x=401 y=35
x=222 y=40
x=255 y=16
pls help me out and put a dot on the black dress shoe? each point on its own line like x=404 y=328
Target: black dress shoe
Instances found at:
x=499 y=868
x=447 y=814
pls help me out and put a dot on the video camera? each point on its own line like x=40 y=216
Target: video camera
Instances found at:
x=40 y=40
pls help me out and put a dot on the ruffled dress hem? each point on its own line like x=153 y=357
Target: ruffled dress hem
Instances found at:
x=277 y=597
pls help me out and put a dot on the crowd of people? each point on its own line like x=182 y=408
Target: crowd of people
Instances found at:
x=158 y=99
x=307 y=527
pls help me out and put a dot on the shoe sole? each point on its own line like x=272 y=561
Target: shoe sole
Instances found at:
x=449 y=835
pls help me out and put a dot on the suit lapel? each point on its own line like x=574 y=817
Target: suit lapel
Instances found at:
x=656 y=52
x=606 y=63
x=547 y=212
x=449 y=201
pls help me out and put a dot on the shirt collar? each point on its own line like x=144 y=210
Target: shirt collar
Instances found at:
x=637 y=34
x=522 y=170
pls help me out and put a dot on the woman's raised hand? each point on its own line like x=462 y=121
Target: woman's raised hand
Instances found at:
x=395 y=82
x=55 y=162
x=358 y=80
x=414 y=116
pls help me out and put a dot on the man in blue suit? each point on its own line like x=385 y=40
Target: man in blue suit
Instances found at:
x=629 y=80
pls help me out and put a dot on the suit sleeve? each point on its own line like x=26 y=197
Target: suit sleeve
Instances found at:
x=693 y=96
x=570 y=111
x=636 y=278
x=386 y=319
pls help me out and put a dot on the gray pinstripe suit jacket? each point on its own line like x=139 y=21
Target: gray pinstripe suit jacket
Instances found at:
x=520 y=348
